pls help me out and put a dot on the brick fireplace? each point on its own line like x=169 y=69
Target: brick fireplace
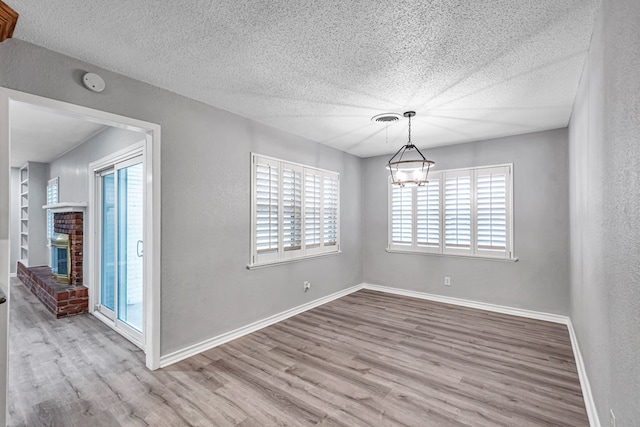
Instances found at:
x=62 y=300
x=71 y=223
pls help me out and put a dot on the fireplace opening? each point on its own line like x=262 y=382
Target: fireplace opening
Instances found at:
x=60 y=258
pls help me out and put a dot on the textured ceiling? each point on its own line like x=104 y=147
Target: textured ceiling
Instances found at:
x=321 y=69
x=40 y=135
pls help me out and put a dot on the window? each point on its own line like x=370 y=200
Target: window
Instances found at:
x=295 y=211
x=459 y=212
x=52 y=198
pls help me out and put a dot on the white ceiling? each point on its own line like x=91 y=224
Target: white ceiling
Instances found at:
x=321 y=69
x=40 y=135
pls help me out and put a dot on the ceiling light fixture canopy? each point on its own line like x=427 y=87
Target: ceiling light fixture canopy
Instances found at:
x=409 y=167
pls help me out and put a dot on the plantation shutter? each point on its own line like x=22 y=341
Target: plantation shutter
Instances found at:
x=401 y=216
x=331 y=196
x=292 y=209
x=428 y=216
x=492 y=215
x=465 y=212
x=266 y=209
x=457 y=212
x=295 y=211
x=52 y=198
x=312 y=210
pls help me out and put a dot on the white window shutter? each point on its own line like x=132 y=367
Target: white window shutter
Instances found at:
x=312 y=211
x=266 y=209
x=428 y=216
x=466 y=212
x=492 y=211
x=401 y=217
x=295 y=211
x=330 y=197
x=292 y=210
x=457 y=212
x=52 y=198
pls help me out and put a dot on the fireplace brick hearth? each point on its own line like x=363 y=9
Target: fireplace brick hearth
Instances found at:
x=62 y=300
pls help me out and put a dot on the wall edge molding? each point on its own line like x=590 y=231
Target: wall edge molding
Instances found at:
x=589 y=403
x=538 y=315
x=210 y=343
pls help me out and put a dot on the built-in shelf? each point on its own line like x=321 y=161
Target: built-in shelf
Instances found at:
x=24 y=210
x=33 y=220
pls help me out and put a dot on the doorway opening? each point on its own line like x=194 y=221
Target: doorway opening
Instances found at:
x=135 y=262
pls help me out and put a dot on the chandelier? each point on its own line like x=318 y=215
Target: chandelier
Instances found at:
x=408 y=167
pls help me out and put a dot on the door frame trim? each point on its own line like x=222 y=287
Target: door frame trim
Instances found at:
x=153 y=203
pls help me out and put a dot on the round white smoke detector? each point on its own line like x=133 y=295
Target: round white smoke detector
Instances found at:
x=386 y=118
x=93 y=82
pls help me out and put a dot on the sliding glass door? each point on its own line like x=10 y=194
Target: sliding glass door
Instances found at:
x=120 y=198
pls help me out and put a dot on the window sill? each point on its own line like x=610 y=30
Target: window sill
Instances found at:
x=289 y=261
x=480 y=258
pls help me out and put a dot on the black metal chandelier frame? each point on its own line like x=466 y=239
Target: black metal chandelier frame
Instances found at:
x=420 y=164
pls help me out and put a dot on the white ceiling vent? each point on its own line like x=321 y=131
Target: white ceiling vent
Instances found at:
x=386 y=118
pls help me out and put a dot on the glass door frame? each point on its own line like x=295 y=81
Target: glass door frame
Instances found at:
x=112 y=164
x=99 y=203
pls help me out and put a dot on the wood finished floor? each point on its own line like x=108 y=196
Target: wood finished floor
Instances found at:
x=368 y=359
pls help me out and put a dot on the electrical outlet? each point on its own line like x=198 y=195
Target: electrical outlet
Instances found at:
x=447 y=281
x=612 y=418
x=307 y=285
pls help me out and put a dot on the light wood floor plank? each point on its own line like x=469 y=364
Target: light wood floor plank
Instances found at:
x=368 y=359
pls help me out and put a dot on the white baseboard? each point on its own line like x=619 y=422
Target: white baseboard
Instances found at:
x=194 y=349
x=589 y=403
x=594 y=421
x=539 y=315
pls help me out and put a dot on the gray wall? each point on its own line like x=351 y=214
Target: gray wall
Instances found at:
x=72 y=168
x=605 y=208
x=206 y=288
x=14 y=227
x=539 y=280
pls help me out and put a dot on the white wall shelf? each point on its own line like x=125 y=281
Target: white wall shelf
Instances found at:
x=33 y=221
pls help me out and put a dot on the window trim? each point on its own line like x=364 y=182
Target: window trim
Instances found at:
x=473 y=252
x=282 y=256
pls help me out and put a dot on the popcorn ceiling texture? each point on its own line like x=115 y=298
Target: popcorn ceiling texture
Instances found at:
x=322 y=69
